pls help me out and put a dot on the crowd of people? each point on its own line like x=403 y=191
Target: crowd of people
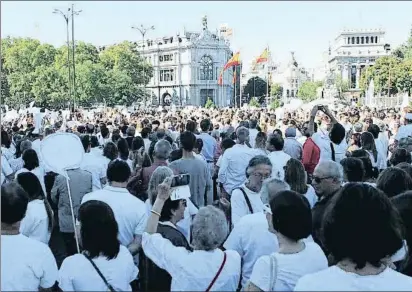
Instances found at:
x=315 y=200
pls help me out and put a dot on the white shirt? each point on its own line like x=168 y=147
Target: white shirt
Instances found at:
x=403 y=132
x=147 y=143
x=16 y=163
x=278 y=160
x=323 y=142
x=6 y=170
x=36 y=222
x=239 y=206
x=96 y=166
x=195 y=270
x=129 y=211
x=287 y=268
x=233 y=166
x=38 y=172
x=26 y=264
x=7 y=152
x=382 y=154
x=311 y=196
x=336 y=279
x=78 y=274
x=252 y=137
x=252 y=239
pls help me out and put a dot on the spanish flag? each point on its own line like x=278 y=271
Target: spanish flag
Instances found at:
x=220 y=80
x=234 y=61
x=263 y=57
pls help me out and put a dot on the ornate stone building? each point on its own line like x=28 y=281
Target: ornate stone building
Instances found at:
x=355 y=50
x=187 y=67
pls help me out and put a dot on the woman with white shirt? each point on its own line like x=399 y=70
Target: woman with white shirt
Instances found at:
x=246 y=199
x=105 y=264
x=368 y=144
x=158 y=176
x=206 y=268
x=38 y=221
x=295 y=176
x=361 y=230
x=31 y=164
x=153 y=278
x=291 y=222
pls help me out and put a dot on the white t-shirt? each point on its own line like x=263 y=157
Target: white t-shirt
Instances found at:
x=336 y=279
x=26 y=264
x=278 y=160
x=96 y=166
x=311 y=196
x=36 y=222
x=252 y=239
x=403 y=132
x=239 y=206
x=78 y=274
x=288 y=268
x=129 y=211
x=323 y=142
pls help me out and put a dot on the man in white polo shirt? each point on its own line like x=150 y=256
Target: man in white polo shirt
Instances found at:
x=129 y=211
x=405 y=130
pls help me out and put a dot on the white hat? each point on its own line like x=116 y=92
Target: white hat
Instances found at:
x=179 y=193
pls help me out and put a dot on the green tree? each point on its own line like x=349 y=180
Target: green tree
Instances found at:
x=307 y=91
x=341 y=85
x=276 y=90
x=253 y=102
x=255 y=87
x=384 y=74
x=91 y=83
x=209 y=103
x=404 y=77
x=49 y=86
x=274 y=104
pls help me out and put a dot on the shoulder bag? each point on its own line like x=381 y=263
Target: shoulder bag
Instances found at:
x=218 y=273
x=111 y=289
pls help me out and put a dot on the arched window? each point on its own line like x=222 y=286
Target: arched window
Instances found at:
x=206 y=68
x=376 y=40
x=362 y=40
x=367 y=40
x=357 y=40
x=287 y=93
x=353 y=40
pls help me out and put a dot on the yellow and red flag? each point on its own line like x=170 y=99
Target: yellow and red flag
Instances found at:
x=234 y=61
x=220 y=80
x=263 y=57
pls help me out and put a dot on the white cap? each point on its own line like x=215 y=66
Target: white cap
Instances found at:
x=179 y=193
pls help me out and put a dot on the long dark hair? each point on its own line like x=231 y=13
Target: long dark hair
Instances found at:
x=31 y=184
x=295 y=176
x=5 y=139
x=123 y=148
x=368 y=143
x=30 y=159
x=99 y=229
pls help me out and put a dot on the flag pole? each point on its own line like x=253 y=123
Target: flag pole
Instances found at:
x=267 y=78
x=240 y=85
x=234 y=73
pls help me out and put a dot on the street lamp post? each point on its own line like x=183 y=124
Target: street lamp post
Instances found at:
x=143 y=30
x=66 y=18
x=74 y=63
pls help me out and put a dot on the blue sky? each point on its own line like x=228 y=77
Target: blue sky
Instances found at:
x=303 y=27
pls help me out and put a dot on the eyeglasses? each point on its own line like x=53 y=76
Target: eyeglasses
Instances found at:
x=318 y=180
x=261 y=176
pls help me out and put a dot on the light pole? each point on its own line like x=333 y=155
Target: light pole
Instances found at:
x=143 y=30
x=66 y=18
x=74 y=63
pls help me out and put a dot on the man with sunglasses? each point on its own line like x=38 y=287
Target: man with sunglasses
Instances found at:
x=327 y=180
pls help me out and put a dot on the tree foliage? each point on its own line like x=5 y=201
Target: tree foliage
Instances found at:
x=391 y=72
x=31 y=71
x=276 y=90
x=209 y=103
x=307 y=91
x=255 y=87
x=254 y=102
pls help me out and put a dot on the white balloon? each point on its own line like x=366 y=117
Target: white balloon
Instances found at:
x=62 y=151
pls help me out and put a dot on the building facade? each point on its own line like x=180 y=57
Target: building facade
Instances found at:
x=186 y=68
x=355 y=50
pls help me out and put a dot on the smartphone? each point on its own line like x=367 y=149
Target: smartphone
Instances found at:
x=180 y=180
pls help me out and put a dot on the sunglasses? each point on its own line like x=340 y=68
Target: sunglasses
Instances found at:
x=318 y=180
